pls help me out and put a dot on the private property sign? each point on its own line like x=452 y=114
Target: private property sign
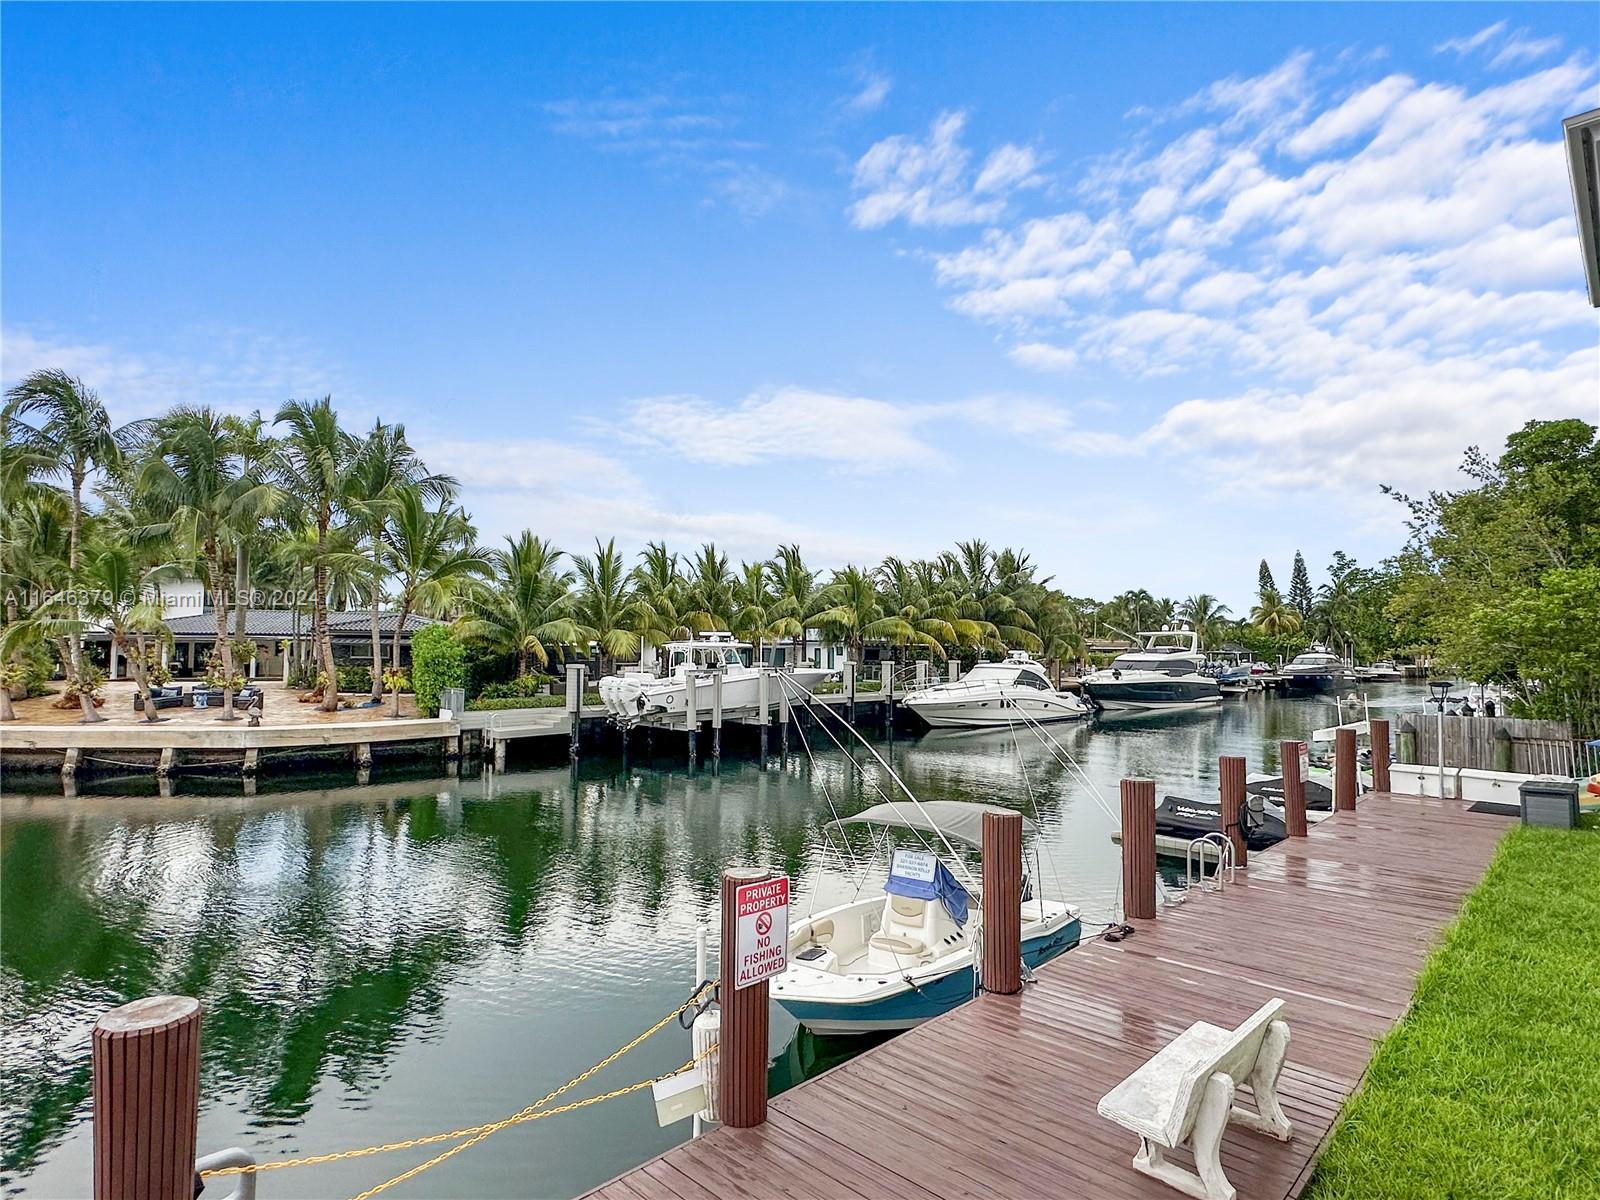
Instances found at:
x=761 y=949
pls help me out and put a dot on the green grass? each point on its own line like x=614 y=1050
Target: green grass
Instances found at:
x=1490 y=1086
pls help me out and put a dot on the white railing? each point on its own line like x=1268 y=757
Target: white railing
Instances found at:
x=1194 y=862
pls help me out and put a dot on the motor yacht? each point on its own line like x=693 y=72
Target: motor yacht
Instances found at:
x=996 y=693
x=894 y=959
x=1314 y=671
x=643 y=697
x=1166 y=672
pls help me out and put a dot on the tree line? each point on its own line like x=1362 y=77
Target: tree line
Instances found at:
x=97 y=517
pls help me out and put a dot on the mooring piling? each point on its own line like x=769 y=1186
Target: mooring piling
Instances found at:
x=1344 y=770
x=146 y=1084
x=1139 y=848
x=1002 y=903
x=1378 y=735
x=691 y=713
x=716 y=720
x=1294 y=789
x=1231 y=768
x=742 y=1039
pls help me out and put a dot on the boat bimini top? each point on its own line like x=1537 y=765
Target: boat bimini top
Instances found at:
x=958 y=820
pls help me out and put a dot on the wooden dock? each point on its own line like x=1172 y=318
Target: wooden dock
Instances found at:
x=998 y=1097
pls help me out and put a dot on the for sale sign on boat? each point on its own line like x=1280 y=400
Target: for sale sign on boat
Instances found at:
x=761 y=949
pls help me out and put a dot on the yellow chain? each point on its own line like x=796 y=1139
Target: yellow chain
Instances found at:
x=477 y=1133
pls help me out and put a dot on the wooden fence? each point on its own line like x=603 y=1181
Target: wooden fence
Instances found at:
x=1492 y=744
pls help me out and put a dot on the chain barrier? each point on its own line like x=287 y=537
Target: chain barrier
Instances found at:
x=473 y=1134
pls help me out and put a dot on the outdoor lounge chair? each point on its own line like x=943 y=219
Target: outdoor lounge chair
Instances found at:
x=160 y=697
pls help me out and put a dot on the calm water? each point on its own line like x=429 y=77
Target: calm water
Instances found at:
x=415 y=955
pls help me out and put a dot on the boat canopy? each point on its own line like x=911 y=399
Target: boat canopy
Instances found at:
x=959 y=820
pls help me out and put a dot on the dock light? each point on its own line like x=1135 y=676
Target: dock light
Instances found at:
x=1441 y=692
x=1583 y=169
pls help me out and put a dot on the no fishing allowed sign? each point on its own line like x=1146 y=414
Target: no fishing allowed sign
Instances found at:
x=761 y=949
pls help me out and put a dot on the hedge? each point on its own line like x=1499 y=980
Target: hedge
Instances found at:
x=438 y=661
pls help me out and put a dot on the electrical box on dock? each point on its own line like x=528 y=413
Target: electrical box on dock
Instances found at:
x=1552 y=802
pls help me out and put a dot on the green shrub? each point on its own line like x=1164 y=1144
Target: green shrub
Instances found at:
x=521 y=687
x=438 y=661
x=303 y=676
x=527 y=702
x=355 y=679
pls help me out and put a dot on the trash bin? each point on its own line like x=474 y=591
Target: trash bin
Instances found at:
x=452 y=701
x=1551 y=802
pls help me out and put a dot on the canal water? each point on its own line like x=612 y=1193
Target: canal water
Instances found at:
x=421 y=954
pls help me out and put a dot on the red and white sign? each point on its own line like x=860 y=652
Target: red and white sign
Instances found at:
x=761 y=949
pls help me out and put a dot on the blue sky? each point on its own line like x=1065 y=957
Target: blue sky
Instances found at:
x=1150 y=291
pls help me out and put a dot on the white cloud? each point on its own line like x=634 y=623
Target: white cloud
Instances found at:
x=1514 y=47
x=873 y=91
x=783 y=423
x=1355 y=116
x=930 y=183
x=1466 y=45
x=1041 y=356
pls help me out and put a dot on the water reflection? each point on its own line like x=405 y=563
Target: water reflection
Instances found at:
x=417 y=953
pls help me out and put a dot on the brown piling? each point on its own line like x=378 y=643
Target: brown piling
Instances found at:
x=146 y=1071
x=1233 y=802
x=1139 y=848
x=1002 y=903
x=1294 y=789
x=1344 y=770
x=1380 y=754
x=742 y=1039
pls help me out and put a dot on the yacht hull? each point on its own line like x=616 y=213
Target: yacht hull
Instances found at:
x=1308 y=685
x=906 y=1006
x=664 y=702
x=995 y=710
x=1164 y=693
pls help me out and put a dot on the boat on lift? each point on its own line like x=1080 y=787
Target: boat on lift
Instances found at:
x=1168 y=671
x=894 y=959
x=996 y=693
x=643 y=697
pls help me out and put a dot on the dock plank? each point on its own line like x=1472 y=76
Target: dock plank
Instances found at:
x=998 y=1097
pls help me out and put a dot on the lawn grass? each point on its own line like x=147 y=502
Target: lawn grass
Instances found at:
x=1490 y=1086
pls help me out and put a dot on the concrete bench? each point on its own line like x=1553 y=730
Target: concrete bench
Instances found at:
x=1183 y=1097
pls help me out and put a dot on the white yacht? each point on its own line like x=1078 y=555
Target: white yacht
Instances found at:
x=642 y=697
x=1314 y=671
x=996 y=693
x=1166 y=672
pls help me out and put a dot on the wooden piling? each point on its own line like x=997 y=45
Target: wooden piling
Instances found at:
x=783 y=716
x=575 y=686
x=742 y=1044
x=1232 y=767
x=1344 y=770
x=691 y=714
x=1002 y=903
x=764 y=705
x=146 y=1084
x=850 y=691
x=1139 y=848
x=716 y=717
x=1294 y=789
x=1378 y=732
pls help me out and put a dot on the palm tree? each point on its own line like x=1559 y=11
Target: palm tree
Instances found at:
x=602 y=606
x=431 y=554
x=1275 y=616
x=70 y=436
x=709 y=593
x=256 y=449
x=798 y=596
x=525 y=607
x=1203 y=613
x=658 y=595
x=855 y=613
x=192 y=481
x=759 y=612
x=383 y=463
x=315 y=467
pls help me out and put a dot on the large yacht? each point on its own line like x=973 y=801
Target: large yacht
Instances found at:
x=1314 y=671
x=996 y=693
x=1166 y=672
x=642 y=697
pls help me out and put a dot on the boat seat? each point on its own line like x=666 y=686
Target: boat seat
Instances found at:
x=822 y=931
x=910 y=930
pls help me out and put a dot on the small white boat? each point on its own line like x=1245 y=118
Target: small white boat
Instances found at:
x=642 y=697
x=1314 y=671
x=996 y=693
x=1167 y=672
x=897 y=958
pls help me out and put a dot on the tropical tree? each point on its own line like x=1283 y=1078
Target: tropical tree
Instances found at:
x=602 y=606
x=192 y=481
x=432 y=555
x=798 y=596
x=525 y=606
x=855 y=613
x=1203 y=613
x=658 y=596
x=759 y=612
x=63 y=430
x=708 y=594
x=314 y=467
x=1300 y=594
x=1275 y=616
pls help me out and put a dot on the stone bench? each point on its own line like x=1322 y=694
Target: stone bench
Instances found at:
x=1183 y=1097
